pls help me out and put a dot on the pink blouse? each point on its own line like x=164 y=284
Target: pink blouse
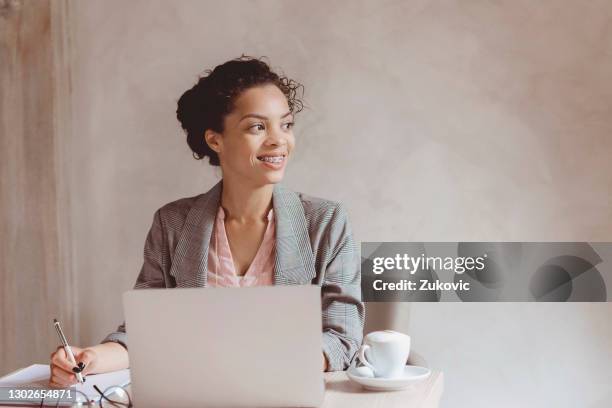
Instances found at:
x=221 y=270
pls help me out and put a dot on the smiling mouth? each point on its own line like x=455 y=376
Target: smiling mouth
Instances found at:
x=272 y=159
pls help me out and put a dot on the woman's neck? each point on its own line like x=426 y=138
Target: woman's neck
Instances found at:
x=245 y=203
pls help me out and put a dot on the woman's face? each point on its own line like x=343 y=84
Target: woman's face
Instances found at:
x=258 y=137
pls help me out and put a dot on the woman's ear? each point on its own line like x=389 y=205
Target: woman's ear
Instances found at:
x=213 y=139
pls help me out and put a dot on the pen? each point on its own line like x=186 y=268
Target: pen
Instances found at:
x=67 y=348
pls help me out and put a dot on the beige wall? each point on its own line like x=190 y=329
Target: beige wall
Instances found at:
x=430 y=120
x=36 y=281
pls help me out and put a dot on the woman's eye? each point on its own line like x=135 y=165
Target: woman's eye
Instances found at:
x=288 y=125
x=257 y=127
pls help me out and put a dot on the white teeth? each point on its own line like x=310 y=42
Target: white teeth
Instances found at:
x=272 y=159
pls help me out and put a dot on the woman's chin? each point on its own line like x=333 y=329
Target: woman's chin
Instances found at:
x=273 y=177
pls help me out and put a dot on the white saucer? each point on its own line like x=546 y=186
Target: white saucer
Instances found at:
x=412 y=375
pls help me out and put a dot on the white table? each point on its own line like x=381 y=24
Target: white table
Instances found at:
x=341 y=392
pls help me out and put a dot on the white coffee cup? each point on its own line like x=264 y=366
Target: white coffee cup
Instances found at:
x=385 y=353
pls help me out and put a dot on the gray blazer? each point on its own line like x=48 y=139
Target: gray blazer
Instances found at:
x=314 y=245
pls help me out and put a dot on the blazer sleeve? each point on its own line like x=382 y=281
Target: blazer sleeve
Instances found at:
x=343 y=310
x=152 y=271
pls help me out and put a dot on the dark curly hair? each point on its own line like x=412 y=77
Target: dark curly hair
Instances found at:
x=205 y=105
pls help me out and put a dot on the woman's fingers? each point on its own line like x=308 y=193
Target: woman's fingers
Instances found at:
x=86 y=357
x=60 y=358
x=62 y=374
x=61 y=377
x=53 y=384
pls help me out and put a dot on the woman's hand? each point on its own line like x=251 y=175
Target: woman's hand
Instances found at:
x=101 y=358
x=62 y=374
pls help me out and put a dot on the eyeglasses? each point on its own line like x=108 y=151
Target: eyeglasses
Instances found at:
x=114 y=396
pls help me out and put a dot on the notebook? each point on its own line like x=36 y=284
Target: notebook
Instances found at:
x=37 y=376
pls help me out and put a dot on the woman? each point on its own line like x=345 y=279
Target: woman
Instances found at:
x=248 y=229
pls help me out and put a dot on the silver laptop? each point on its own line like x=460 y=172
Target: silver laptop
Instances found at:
x=257 y=346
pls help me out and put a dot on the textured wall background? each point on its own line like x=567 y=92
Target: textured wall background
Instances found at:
x=36 y=284
x=430 y=120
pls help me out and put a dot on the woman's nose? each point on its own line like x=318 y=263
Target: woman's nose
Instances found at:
x=276 y=138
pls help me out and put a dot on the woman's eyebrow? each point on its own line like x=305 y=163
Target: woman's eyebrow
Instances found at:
x=262 y=117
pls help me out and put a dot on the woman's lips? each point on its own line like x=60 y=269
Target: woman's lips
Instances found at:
x=273 y=162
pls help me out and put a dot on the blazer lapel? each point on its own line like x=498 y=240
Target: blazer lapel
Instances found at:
x=295 y=263
x=190 y=263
